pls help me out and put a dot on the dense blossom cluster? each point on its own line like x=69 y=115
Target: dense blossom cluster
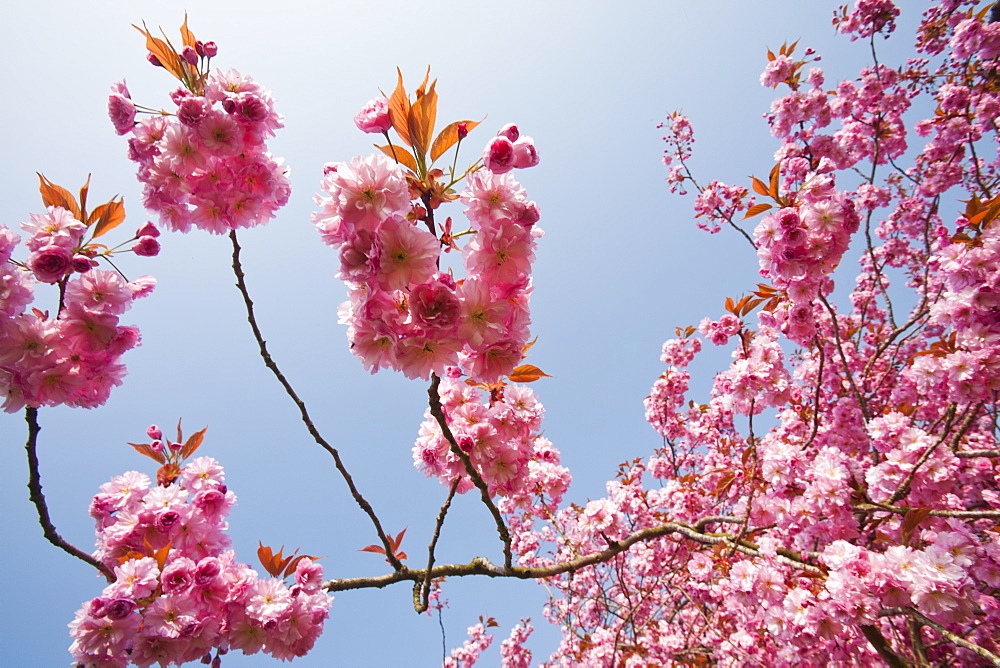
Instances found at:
x=501 y=436
x=207 y=165
x=179 y=593
x=861 y=527
x=73 y=357
x=405 y=312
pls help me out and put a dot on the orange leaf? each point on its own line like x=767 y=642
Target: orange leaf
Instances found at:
x=377 y=549
x=421 y=120
x=161 y=555
x=775 y=175
x=399 y=110
x=527 y=373
x=163 y=52
x=108 y=216
x=527 y=346
x=53 y=195
x=193 y=443
x=448 y=137
x=400 y=155
x=167 y=473
x=911 y=520
x=760 y=187
x=186 y=35
x=83 y=198
x=756 y=210
x=147 y=450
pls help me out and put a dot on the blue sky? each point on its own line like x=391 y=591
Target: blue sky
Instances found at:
x=620 y=267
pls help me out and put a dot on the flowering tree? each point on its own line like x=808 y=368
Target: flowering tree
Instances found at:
x=835 y=498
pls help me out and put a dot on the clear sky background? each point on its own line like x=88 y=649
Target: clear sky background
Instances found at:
x=621 y=265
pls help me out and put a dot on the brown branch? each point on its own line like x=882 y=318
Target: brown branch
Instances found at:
x=902 y=510
x=36 y=497
x=969 y=454
x=313 y=431
x=483 y=566
x=438 y=412
x=957 y=639
x=879 y=643
x=422 y=590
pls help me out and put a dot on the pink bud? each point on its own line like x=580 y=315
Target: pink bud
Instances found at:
x=148 y=229
x=499 y=155
x=463 y=130
x=81 y=264
x=146 y=247
x=153 y=431
x=211 y=49
x=190 y=55
x=176 y=447
x=199 y=46
x=510 y=132
x=156 y=445
x=525 y=154
x=374 y=117
x=153 y=60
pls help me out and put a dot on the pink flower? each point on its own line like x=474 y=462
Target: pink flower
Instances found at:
x=499 y=155
x=374 y=117
x=434 y=305
x=50 y=263
x=121 y=110
x=409 y=254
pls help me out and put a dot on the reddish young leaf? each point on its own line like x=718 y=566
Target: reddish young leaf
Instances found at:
x=108 y=216
x=186 y=35
x=423 y=115
x=53 y=195
x=911 y=520
x=163 y=52
x=448 y=137
x=167 y=474
x=193 y=443
x=774 y=178
x=527 y=373
x=400 y=155
x=399 y=110
x=83 y=198
x=377 y=549
x=757 y=209
x=760 y=187
x=145 y=449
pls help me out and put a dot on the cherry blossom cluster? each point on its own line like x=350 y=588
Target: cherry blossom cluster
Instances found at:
x=73 y=357
x=856 y=522
x=499 y=433
x=179 y=593
x=206 y=164
x=405 y=312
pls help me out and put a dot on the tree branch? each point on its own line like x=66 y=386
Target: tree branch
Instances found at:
x=313 y=431
x=438 y=412
x=36 y=497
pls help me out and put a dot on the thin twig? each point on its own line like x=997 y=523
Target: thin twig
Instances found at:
x=313 y=431
x=483 y=566
x=422 y=590
x=438 y=412
x=36 y=497
x=957 y=639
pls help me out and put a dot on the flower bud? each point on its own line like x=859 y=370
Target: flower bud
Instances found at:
x=509 y=131
x=463 y=130
x=148 y=229
x=499 y=155
x=156 y=445
x=146 y=247
x=199 y=46
x=81 y=264
x=374 y=117
x=153 y=60
x=154 y=432
x=525 y=154
x=211 y=49
x=190 y=56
